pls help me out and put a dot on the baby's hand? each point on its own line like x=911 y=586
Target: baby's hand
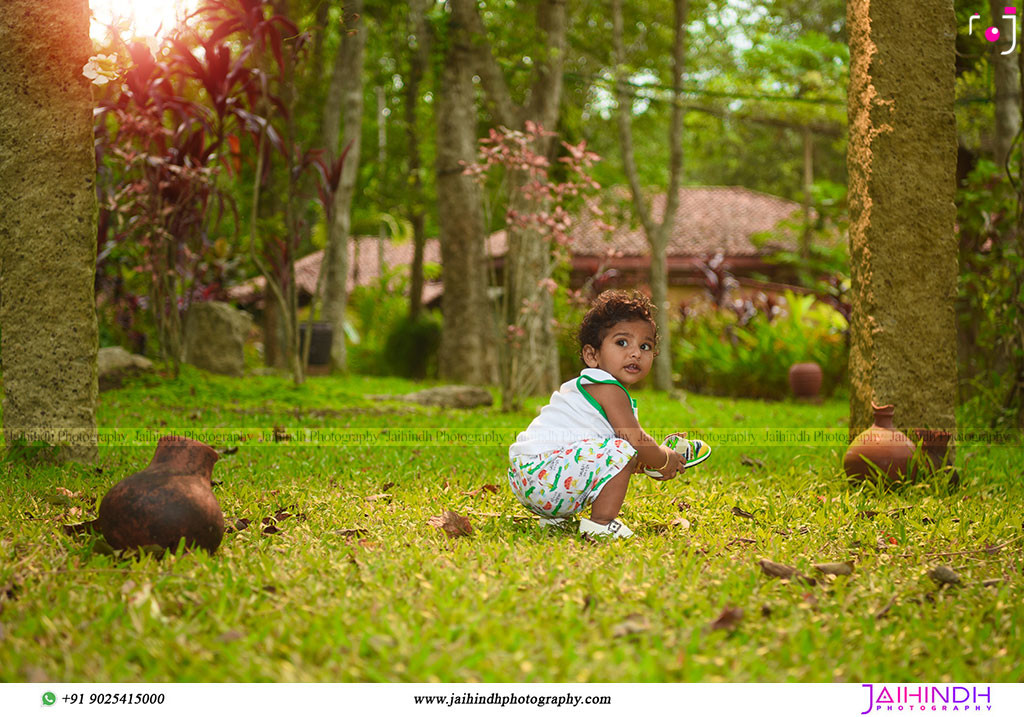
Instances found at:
x=675 y=465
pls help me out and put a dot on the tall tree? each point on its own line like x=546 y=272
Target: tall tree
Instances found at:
x=902 y=163
x=528 y=257
x=48 y=227
x=419 y=48
x=467 y=336
x=658 y=233
x=344 y=103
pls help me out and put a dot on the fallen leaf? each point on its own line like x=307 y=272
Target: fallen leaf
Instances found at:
x=777 y=570
x=741 y=540
x=835 y=568
x=379 y=496
x=632 y=624
x=944 y=575
x=884 y=610
x=282 y=515
x=387 y=486
x=350 y=532
x=728 y=619
x=736 y=510
x=68 y=493
x=230 y=451
x=271 y=529
x=487 y=488
x=786 y=572
x=683 y=505
x=452 y=523
x=79 y=528
x=230 y=636
x=750 y=461
x=992 y=582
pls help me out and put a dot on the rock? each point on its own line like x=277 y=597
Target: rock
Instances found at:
x=451 y=397
x=214 y=336
x=114 y=363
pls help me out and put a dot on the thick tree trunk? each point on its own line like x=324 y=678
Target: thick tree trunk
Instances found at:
x=902 y=162
x=48 y=227
x=1007 y=87
x=466 y=338
x=345 y=99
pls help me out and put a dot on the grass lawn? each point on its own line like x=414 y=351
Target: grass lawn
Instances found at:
x=355 y=585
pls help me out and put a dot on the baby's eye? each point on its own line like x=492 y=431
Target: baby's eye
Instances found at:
x=646 y=346
x=621 y=342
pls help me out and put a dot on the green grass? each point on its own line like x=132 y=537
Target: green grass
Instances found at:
x=400 y=601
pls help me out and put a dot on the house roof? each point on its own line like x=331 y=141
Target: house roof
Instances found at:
x=708 y=220
x=361 y=273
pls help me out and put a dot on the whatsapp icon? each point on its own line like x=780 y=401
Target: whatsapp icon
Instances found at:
x=49 y=698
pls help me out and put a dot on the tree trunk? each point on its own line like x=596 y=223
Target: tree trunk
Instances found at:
x=658 y=234
x=419 y=56
x=533 y=366
x=48 y=227
x=902 y=163
x=466 y=335
x=1007 y=88
x=345 y=97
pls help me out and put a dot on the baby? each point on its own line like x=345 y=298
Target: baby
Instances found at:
x=587 y=442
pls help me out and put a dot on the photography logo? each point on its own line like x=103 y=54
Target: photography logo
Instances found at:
x=992 y=34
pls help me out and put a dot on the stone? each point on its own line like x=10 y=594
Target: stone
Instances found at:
x=445 y=397
x=451 y=397
x=215 y=335
x=114 y=364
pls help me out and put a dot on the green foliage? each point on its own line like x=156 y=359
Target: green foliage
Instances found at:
x=991 y=297
x=748 y=352
x=411 y=348
x=388 y=342
x=357 y=587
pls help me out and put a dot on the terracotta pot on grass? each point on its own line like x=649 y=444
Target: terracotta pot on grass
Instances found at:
x=881 y=445
x=805 y=379
x=170 y=499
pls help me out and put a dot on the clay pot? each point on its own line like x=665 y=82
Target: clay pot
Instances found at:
x=170 y=499
x=883 y=445
x=805 y=379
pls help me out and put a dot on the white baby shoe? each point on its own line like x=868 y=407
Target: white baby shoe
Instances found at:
x=552 y=521
x=614 y=529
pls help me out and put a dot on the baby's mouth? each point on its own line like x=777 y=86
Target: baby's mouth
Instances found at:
x=632 y=367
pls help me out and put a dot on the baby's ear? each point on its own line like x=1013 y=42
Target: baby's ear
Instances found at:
x=589 y=356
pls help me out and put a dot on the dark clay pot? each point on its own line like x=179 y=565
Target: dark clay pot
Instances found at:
x=883 y=445
x=171 y=499
x=805 y=379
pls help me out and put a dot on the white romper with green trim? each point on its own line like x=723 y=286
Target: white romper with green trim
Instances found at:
x=569 y=452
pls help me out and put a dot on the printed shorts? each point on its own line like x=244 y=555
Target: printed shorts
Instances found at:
x=564 y=481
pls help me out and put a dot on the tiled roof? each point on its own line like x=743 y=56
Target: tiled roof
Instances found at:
x=708 y=220
x=308 y=268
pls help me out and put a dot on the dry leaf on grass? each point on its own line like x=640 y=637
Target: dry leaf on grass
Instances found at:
x=350 y=532
x=845 y=568
x=944 y=575
x=738 y=511
x=728 y=619
x=452 y=523
x=486 y=488
x=786 y=572
x=631 y=625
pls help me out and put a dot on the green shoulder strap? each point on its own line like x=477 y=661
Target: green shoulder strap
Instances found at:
x=595 y=404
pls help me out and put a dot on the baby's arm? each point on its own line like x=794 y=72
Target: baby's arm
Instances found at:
x=620 y=414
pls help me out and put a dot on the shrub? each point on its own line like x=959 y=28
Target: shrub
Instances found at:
x=412 y=346
x=741 y=351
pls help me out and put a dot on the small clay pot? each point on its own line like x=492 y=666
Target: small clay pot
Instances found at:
x=805 y=379
x=170 y=499
x=883 y=445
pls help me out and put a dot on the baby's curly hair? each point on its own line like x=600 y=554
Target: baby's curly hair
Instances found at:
x=611 y=307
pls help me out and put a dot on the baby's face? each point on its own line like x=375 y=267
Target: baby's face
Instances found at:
x=626 y=352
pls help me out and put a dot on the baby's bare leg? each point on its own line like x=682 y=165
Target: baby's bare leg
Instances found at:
x=606 y=506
